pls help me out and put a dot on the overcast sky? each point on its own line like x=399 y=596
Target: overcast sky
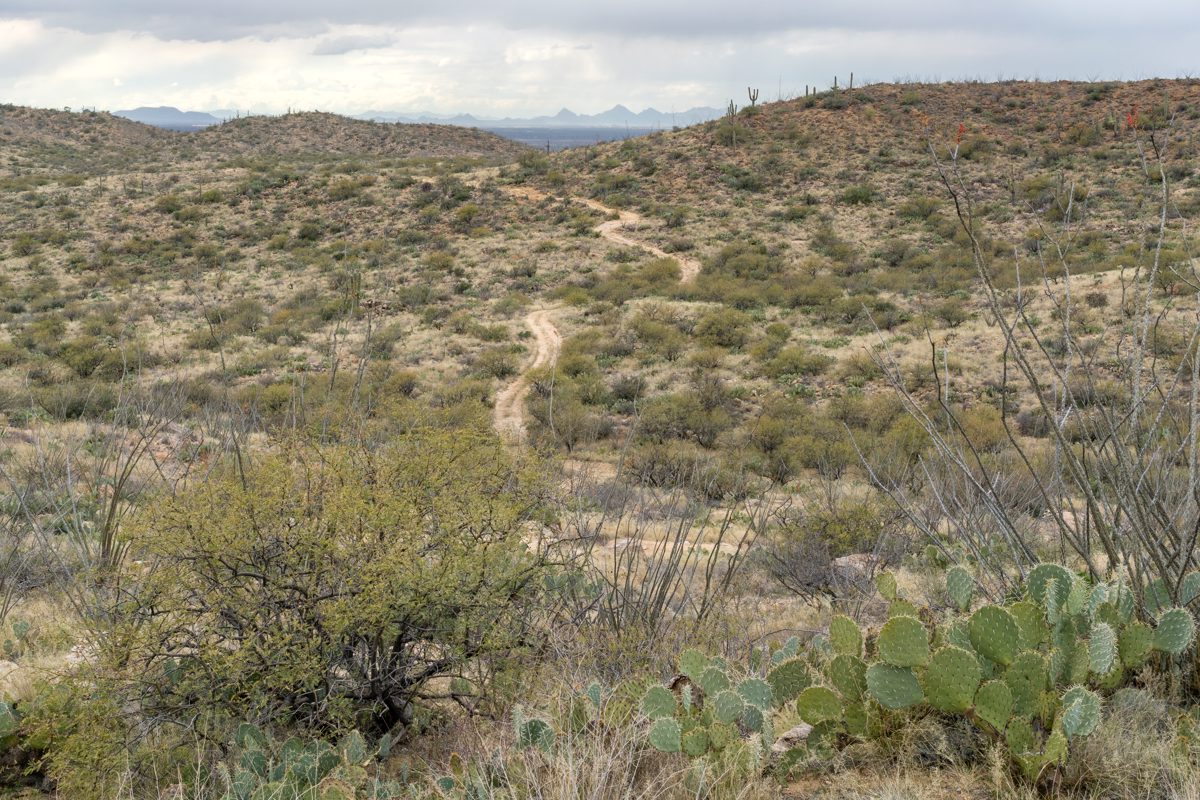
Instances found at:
x=522 y=57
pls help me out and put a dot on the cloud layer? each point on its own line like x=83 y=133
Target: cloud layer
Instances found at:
x=531 y=56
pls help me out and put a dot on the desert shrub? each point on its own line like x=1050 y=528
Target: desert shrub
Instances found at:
x=796 y=360
x=328 y=588
x=859 y=195
x=725 y=327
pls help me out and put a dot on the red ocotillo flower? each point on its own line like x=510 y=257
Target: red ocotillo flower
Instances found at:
x=1131 y=119
x=962 y=130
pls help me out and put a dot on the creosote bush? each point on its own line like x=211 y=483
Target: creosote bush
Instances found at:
x=332 y=587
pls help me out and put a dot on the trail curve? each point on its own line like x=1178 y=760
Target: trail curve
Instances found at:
x=508 y=412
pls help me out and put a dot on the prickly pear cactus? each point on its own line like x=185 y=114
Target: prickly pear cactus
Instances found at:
x=960 y=585
x=951 y=679
x=904 y=642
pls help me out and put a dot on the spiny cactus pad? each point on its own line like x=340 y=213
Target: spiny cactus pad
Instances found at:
x=1175 y=630
x=1135 y=643
x=848 y=674
x=1081 y=711
x=818 y=704
x=695 y=742
x=713 y=681
x=951 y=679
x=994 y=704
x=789 y=679
x=693 y=663
x=753 y=719
x=960 y=585
x=894 y=687
x=845 y=636
x=1026 y=677
x=720 y=735
x=756 y=693
x=902 y=608
x=885 y=582
x=1047 y=576
x=994 y=634
x=1102 y=648
x=727 y=706
x=659 y=702
x=1077 y=598
x=1031 y=622
x=666 y=735
x=904 y=642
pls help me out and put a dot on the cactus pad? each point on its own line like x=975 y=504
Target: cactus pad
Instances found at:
x=994 y=634
x=1102 y=648
x=902 y=608
x=818 y=704
x=951 y=679
x=535 y=733
x=756 y=693
x=753 y=719
x=1026 y=677
x=1077 y=598
x=994 y=704
x=1049 y=585
x=845 y=636
x=960 y=585
x=857 y=719
x=885 y=582
x=1175 y=631
x=1081 y=711
x=695 y=742
x=693 y=663
x=789 y=679
x=904 y=642
x=848 y=674
x=1031 y=622
x=720 y=735
x=659 y=702
x=713 y=681
x=894 y=687
x=666 y=735
x=727 y=706
x=1135 y=643
x=1158 y=597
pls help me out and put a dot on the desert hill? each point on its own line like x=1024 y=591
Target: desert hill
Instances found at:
x=312 y=133
x=95 y=142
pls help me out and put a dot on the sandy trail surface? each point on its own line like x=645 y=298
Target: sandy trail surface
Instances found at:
x=508 y=413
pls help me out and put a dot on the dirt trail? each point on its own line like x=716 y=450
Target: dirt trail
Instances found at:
x=508 y=414
x=614 y=229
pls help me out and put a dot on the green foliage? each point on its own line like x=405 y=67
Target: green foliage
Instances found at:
x=789 y=679
x=1175 y=632
x=960 y=585
x=818 y=704
x=845 y=636
x=994 y=634
x=666 y=735
x=319 y=583
x=904 y=642
x=952 y=679
x=894 y=687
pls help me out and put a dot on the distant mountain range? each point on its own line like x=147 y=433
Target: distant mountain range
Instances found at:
x=616 y=117
x=169 y=117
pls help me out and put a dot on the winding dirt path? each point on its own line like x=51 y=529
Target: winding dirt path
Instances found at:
x=614 y=230
x=508 y=413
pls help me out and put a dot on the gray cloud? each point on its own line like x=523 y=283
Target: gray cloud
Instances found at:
x=223 y=19
x=527 y=57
